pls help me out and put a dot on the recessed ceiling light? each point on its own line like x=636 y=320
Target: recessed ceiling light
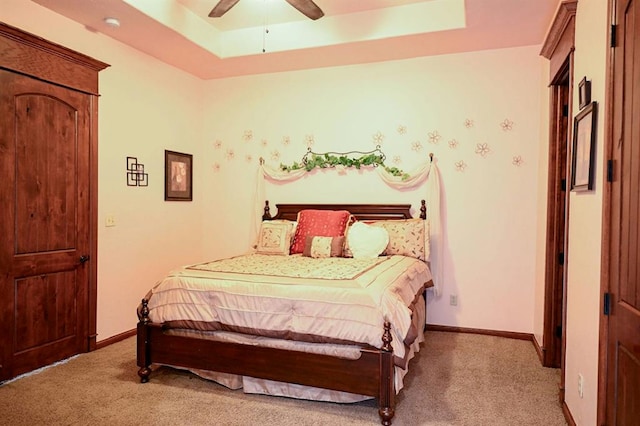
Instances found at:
x=112 y=22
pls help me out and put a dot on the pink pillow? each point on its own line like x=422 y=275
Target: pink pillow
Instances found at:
x=319 y=223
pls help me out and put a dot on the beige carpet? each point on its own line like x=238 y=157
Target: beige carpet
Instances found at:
x=456 y=379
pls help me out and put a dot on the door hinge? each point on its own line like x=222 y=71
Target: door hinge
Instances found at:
x=561 y=259
x=609 y=170
x=565 y=110
x=558 y=331
x=606 y=308
x=614 y=33
x=563 y=185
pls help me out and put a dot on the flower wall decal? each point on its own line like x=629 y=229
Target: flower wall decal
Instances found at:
x=507 y=125
x=226 y=152
x=517 y=161
x=482 y=149
x=434 y=137
x=309 y=140
x=377 y=138
x=215 y=167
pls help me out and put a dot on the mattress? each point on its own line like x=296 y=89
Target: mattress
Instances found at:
x=334 y=300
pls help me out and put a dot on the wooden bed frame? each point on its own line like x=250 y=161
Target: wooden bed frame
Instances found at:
x=372 y=374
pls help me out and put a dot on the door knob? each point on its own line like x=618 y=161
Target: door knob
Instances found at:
x=84 y=258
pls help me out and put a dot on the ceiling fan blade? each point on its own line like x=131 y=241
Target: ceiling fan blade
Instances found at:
x=308 y=8
x=222 y=7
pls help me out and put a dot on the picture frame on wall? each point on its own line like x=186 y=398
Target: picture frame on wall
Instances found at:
x=178 y=176
x=584 y=143
x=584 y=92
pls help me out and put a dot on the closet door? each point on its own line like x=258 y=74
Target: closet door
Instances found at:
x=45 y=225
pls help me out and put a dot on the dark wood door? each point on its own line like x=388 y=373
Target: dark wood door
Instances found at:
x=45 y=225
x=622 y=358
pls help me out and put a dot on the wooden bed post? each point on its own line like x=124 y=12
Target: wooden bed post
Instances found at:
x=267 y=214
x=423 y=209
x=144 y=351
x=386 y=401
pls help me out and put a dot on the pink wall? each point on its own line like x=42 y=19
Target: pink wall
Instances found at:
x=451 y=105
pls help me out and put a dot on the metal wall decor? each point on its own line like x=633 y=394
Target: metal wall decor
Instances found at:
x=135 y=173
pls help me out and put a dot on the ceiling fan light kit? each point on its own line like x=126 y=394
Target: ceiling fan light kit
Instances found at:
x=112 y=22
x=307 y=7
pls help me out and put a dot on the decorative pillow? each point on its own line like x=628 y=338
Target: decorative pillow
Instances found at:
x=275 y=237
x=319 y=247
x=427 y=239
x=406 y=237
x=366 y=242
x=346 y=251
x=319 y=223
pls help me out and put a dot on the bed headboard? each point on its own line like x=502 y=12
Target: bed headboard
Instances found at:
x=360 y=211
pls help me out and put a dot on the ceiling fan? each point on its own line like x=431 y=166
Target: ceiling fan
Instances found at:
x=306 y=7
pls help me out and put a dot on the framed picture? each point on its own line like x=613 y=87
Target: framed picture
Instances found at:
x=584 y=92
x=584 y=144
x=178 y=175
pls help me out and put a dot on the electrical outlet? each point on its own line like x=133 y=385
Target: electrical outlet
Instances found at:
x=453 y=300
x=110 y=221
x=580 y=385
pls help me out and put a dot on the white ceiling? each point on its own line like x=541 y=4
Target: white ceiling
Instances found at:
x=180 y=33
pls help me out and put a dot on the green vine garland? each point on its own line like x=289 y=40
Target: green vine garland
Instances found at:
x=312 y=160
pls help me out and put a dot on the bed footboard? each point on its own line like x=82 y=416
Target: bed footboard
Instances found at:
x=372 y=374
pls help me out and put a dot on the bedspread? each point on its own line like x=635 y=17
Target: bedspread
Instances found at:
x=334 y=300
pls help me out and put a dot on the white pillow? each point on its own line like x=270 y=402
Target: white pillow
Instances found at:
x=367 y=242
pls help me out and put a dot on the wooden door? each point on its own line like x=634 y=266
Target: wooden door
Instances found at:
x=45 y=224
x=622 y=325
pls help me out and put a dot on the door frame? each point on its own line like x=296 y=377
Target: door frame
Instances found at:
x=558 y=48
x=557 y=213
x=29 y=52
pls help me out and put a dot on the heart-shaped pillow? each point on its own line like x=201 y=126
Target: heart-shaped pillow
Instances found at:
x=367 y=242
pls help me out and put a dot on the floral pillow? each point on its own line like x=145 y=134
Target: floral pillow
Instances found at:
x=406 y=237
x=427 y=240
x=319 y=223
x=275 y=237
